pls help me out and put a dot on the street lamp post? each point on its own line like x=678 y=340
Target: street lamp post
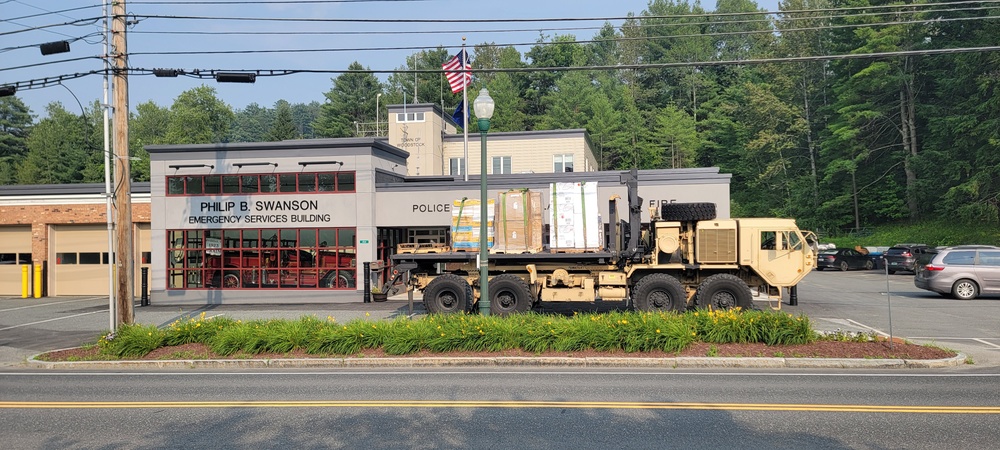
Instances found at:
x=483 y=105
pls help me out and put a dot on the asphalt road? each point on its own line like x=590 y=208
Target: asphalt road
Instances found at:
x=502 y=409
x=868 y=301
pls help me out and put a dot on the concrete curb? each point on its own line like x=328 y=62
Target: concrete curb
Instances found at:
x=510 y=361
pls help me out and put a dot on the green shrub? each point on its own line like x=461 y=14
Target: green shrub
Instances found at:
x=131 y=341
x=616 y=331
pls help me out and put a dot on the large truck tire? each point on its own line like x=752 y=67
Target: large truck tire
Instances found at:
x=509 y=294
x=724 y=291
x=686 y=212
x=447 y=294
x=659 y=292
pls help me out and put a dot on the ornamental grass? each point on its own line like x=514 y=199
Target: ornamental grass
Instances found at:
x=532 y=332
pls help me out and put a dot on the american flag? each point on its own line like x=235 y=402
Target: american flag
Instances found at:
x=458 y=70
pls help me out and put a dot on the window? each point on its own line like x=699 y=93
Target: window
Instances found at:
x=410 y=117
x=456 y=165
x=562 y=163
x=261 y=184
x=989 y=258
x=960 y=258
x=501 y=164
x=15 y=258
x=290 y=258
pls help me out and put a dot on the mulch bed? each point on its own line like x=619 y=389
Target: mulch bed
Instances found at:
x=822 y=349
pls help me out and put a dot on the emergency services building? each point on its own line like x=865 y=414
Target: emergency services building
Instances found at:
x=295 y=221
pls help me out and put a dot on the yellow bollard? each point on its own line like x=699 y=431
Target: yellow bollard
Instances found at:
x=38 y=281
x=25 y=281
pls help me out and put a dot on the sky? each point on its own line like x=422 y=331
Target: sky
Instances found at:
x=159 y=34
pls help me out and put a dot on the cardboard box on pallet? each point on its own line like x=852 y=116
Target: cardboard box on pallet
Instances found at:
x=465 y=224
x=574 y=219
x=519 y=222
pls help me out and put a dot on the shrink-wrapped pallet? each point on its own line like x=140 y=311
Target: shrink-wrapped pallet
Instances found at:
x=465 y=224
x=518 y=222
x=574 y=220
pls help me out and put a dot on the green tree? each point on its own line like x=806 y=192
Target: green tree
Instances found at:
x=199 y=117
x=59 y=148
x=303 y=115
x=283 y=127
x=251 y=124
x=15 y=124
x=351 y=100
x=561 y=51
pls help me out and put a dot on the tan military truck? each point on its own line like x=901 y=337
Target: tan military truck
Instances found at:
x=684 y=258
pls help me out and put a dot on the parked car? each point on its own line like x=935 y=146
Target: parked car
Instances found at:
x=963 y=272
x=904 y=256
x=843 y=259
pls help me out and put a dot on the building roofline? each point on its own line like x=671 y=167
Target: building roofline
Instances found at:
x=379 y=143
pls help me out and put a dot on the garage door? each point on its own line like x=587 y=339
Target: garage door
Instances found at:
x=15 y=249
x=79 y=263
x=79 y=260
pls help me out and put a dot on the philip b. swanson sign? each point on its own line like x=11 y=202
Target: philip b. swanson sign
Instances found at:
x=258 y=211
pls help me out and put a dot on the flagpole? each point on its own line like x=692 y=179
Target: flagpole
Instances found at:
x=465 y=113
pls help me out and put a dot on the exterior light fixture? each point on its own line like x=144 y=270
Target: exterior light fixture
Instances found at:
x=242 y=165
x=313 y=163
x=8 y=90
x=483 y=105
x=51 y=48
x=235 y=77
x=190 y=166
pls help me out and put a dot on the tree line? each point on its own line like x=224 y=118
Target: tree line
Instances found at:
x=835 y=143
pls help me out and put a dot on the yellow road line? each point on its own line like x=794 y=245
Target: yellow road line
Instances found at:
x=508 y=404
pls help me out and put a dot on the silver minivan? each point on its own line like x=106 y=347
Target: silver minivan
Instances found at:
x=963 y=272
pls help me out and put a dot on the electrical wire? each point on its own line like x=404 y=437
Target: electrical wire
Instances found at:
x=73 y=39
x=501 y=45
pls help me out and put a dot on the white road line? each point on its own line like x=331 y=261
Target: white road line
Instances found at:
x=867 y=327
x=52 y=320
x=46 y=304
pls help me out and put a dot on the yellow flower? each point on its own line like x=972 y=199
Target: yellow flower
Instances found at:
x=366 y=314
x=657 y=331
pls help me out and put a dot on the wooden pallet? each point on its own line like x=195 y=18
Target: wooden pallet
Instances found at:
x=422 y=248
x=575 y=250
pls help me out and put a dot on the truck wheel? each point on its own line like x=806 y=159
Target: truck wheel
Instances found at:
x=509 y=294
x=724 y=291
x=228 y=280
x=337 y=280
x=659 y=292
x=683 y=212
x=447 y=294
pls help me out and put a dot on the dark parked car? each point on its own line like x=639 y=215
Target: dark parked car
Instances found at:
x=843 y=259
x=963 y=272
x=904 y=256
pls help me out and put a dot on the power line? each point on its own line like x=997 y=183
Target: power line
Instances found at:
x=268 y=2
x=210 y=73
x=517 y=44
x=47 y=12
x=73 y=39
x=88 y=20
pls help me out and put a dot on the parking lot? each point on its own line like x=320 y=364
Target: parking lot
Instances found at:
x=848 y=301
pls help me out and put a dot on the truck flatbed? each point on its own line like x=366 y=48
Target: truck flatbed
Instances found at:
x=507 y=258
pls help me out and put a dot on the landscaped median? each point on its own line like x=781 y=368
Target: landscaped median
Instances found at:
x=617 y=338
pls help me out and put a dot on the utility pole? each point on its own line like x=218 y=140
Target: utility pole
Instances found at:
x=124 y=257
